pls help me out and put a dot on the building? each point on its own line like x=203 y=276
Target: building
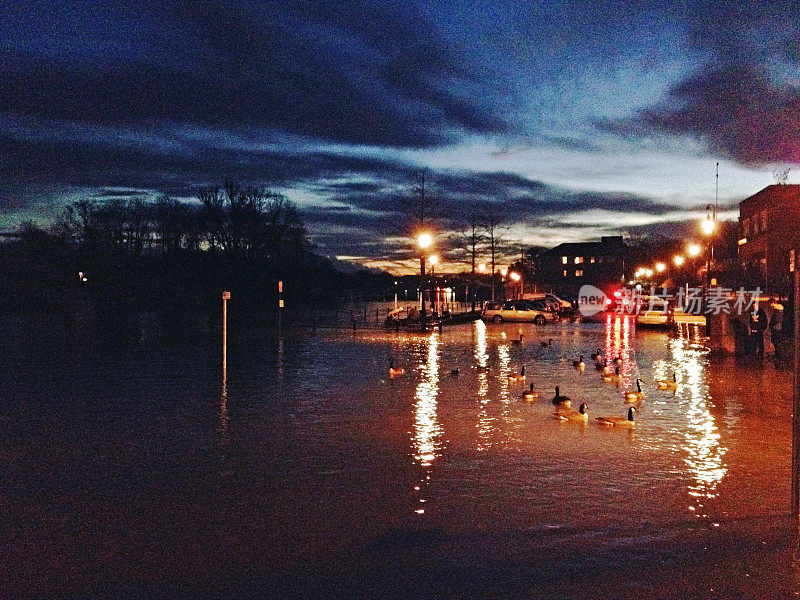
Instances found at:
x=769 y=225
x=568 y=266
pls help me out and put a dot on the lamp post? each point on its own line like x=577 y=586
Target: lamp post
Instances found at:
x=708 y=225
x=432 y=260
x=424 y=241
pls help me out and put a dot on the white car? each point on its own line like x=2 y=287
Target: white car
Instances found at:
x=653 y=312
x=530 y=311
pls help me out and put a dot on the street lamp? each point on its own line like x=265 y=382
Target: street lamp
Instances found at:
x=482 y=268
x=516 y=278
x=661 y=267
x=424 y=241
x=694 y=250
x=504 y=271
x=709 y=225
x=678 y=260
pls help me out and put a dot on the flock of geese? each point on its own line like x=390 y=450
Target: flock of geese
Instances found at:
x=563 y=404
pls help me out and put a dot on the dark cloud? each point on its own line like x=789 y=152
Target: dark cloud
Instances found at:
x=743 y=100
x=351 y=71
x=736 y=109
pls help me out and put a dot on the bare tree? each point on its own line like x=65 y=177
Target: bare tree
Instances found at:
x=495 y=229
x=470 y=240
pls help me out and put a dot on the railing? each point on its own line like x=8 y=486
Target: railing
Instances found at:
x=366 y=315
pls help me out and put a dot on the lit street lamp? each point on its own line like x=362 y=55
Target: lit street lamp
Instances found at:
x=694 y=250
x=661 y=267
x=708 y=226
x=678 y=260
x=424 y=241
x=516 y=278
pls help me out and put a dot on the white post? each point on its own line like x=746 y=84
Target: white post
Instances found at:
x=225 y=297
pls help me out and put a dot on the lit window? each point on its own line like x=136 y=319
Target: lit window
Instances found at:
x=578 y=260
x=565 y=273
x=591 y=260
x=578 y=273
x=564 y=260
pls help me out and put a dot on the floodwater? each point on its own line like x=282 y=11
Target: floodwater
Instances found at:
x=132 y=471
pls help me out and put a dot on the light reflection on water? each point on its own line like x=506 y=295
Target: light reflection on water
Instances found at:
x=427 y=428
x=317 y=438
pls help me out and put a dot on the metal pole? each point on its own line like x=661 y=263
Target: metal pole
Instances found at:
x=422 y=286
x=795 y=509
x=225 y=296
x=280 y=303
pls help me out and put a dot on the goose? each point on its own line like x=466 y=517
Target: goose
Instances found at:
x=581 y=415
x=634 y=395
x=579 y=364
x=395 y=371
x=517 y=341
x=530 y=395
x=518 y=377
x=612 y=377
x=667 y=384
x=619 y=421
x=455 y=372
x=599 y=366
x=562 y=401
x=596 y=356
x=618 y=360
x=547 y=344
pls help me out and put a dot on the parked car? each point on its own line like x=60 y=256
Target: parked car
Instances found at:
x=654 y=312
x=557 y=303
x=531 y=311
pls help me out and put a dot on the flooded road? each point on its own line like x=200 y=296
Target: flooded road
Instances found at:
x=136 y=468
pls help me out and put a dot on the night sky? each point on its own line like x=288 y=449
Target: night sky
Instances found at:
x=577 y=119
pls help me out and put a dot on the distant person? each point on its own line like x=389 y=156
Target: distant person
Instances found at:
x=758 y=325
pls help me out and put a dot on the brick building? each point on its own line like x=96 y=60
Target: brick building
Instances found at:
x=769 y=225
x=568 y=266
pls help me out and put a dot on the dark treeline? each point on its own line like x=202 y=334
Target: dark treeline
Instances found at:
x=165 y=263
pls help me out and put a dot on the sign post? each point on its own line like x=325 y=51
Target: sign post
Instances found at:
x=225 y=297
x=280 y=302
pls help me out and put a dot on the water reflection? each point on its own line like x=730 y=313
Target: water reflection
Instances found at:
x=223 y=413
x=482 y=361
x=427 y=429
x=617 y=344
x=701 y=444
